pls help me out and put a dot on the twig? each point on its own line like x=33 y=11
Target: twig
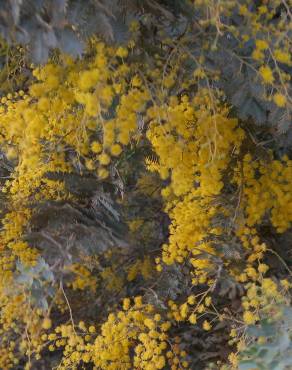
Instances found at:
x=281 y=259
x=69 y=307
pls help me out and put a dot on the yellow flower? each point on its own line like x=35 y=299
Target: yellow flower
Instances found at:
x=249 y=318
x=258 y=54
x=116 y=149
x=96 y=147
x=157 y=317
x=165 y=326
x=206 y=325
x=89 y=164
x=126 y=304
x=263 y=268
x=282 y=56
x=191 y=299
x=86 y=357
x=106 y=95
x=261 y=44
x=47 y=323
x=103 y=173
x=104 y=159
x=149 y=323
x=44 y=337
x=193 y=319
x=267 y=74
x=208 y=301
x=280 y=99
x=184 y=308
x=88 y=79
x=138 y=301
x=159 y=268
x=233 y=333
x=134 y=26
x=269 y=287
x=136 y=81
x=160 y=362
x=243 y=10
x=285 y=284
x=82 y=326
x=122 y=52
x=233 y=359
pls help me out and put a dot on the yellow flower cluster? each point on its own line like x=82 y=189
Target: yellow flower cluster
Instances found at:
x=135 y=337
x=14 y=310
x=64 y=109
x=68 y=108
x=93 y=109
x=140 y=267
x=261 y=299
x=195 y=146
x=83 y=278
x=267 y=190
x=195 y=307
x=133 y=325
x=264 y=300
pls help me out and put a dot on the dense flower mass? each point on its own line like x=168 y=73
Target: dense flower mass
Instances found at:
x=145 y=218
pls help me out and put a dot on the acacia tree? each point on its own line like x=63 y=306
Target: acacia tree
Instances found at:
x=146 y=184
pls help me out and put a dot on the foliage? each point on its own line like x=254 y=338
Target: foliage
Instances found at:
x=272 y=347
x=146 y=201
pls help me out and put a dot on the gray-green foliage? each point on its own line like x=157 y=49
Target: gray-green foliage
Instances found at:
x=44 y=25
x=66 y=231
x=37 y=281
x=276 y=352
